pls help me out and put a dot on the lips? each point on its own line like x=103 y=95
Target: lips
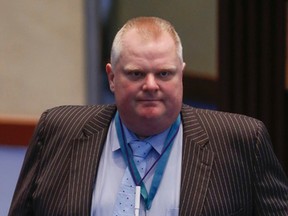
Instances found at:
x=149 y=100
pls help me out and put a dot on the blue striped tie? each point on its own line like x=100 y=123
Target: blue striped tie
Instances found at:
x=124 y=205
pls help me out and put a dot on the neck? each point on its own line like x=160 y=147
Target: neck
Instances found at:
x=141 y=137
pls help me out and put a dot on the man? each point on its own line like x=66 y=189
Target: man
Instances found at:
x=203 y=162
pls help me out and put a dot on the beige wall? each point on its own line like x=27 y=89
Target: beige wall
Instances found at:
x=196 y=23
x=41 y=55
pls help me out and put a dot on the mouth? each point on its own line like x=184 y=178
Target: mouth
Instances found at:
x=149 y=102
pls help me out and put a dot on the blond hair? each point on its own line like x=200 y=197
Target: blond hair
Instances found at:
x=147 y=27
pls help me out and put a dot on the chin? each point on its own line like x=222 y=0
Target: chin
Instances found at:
x=151 y=113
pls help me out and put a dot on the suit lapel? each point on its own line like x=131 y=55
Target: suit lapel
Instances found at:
x=197 y=163
x=86 y=153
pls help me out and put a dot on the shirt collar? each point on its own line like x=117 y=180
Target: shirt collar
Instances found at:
x=157 y=141
x=114 y=138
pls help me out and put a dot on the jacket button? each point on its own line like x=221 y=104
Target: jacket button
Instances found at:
x=39 y=143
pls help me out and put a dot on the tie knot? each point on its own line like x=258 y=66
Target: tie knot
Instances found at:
x=140 y=148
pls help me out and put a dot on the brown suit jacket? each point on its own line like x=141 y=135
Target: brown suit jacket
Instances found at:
x=228 y=165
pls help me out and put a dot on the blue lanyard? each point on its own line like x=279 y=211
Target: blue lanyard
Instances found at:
x=161 y=160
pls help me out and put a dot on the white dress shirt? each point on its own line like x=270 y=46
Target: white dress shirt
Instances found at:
x=112 y=167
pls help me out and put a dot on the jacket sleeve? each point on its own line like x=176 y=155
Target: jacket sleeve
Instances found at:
x=21 y=202
x=271 y=183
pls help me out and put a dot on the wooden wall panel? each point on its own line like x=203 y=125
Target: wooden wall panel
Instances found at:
x=16 y=130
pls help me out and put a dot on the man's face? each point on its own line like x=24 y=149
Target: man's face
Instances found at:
x=147 y=83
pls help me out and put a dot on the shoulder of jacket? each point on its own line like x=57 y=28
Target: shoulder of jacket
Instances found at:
x=207 y=113
x=81 y=107
x=74 y=115
x=75 y=110
x=219 y=122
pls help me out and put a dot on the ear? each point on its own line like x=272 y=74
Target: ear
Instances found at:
x=110 y=75
x=183 y=67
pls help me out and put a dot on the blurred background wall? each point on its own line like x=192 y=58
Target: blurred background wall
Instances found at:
x=41 y=55
x=54 y=53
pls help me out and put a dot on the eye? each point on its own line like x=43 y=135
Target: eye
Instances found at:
x=164 y=74
x=135 y=75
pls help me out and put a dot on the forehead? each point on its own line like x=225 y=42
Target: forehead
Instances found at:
x=148 y=51
x=137 y=39
x=147 y=31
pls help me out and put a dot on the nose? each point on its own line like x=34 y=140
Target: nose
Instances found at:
x=150 y=83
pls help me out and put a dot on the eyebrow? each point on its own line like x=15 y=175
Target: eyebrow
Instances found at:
x=136 y=68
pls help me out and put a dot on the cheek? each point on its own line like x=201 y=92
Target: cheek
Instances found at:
x=124 y=91
x=174 y=90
